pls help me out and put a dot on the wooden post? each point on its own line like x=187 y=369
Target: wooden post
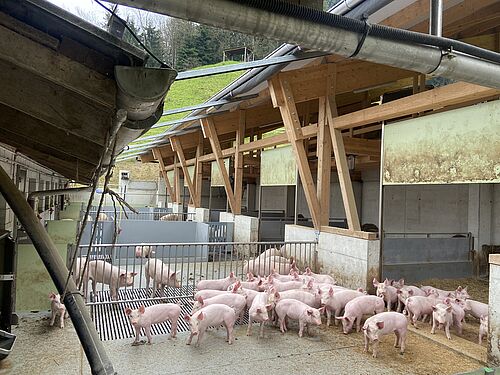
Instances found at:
x=198 y=182
x=238 y=162
x=180 y=153
x=282 y=96
x=177 y=182
x=342 y=168
x=324 y=153
x=157 y=156
x=211 y=133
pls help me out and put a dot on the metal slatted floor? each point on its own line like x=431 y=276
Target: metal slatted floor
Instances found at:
x=112 y=324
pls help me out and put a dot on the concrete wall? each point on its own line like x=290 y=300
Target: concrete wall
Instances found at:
x=494 y=312
x=246 y=228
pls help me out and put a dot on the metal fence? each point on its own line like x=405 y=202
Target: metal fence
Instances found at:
x=152 y=214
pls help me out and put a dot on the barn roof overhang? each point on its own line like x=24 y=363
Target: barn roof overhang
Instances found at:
x=68 y=87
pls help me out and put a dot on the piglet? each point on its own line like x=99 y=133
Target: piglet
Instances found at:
x=56 y=308
x=356 y=308
x=293 y=309
x=320 y=278
x=335 y=301
x=213 y=315
x=384 y=324
x=161 y=275
x=143 y=317
x=236 y=301
x=100 y=271
x=483 y=328
x=387 y=292
x=144 y=251
x=406 y=292
x=475 y=308
x=313 y=300
x=458 y=312
x=258 y=311
x=281 y=286
x=442 y=316
x=220 y=284
x=418 y=306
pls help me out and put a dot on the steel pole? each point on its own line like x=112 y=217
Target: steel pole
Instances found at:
x=436 y=18
x=96 y=355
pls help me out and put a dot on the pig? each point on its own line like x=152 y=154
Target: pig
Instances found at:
x=257 y=285
x=169 y=217
x=460 y=292
x=103 y=272
x=387 y=292
x=162 y=275
x=143 y=317
x=281 y=286
x=264 y=267
x=248 y=293
x=258 y=311
x=143 y=251
x=398 y=284
x=320 y=278
x=270 y=252
x=293 y=276
x=483 y=328
x=442 y=317
x=236 y=301
x=208 y=293
x=418 y=306
x=305 y=297
x=356 y=308
x=56 y=307
x=335 y=301
x=384 y=324
x=458 y=312
x=220 y=284
x=102 y=217
x=406 y=292
x=297 y=310
x=475 y=308
x=212 y=315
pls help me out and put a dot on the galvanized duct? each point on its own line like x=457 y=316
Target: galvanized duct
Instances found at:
x=331 y=33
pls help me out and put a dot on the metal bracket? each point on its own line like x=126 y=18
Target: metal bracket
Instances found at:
x=7 y=277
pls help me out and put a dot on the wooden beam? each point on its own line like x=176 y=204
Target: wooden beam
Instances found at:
x=342 y=168
x=211 y=133
x=198 y=171
x=350 y=233
x=177 y=182
x=452 y=94
x=182 y=160
x=238 y=162
x=282 y=96
x=157 y=156
x=324 y=153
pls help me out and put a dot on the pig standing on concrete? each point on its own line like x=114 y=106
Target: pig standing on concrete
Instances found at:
x=233 y=300
x=313 y=300
x=220 y=284
x=483 y=328
x=387 y=292
x=258 y=311
x=320 y=278
x=336 y=301
x=475 y=308
x=248 y=293
x=256 y=284
x=458 y=312
x=213 y=315
x=406 y=292
x=281 y=286
x=144 y=251
x=162 y=275
x=442 y=317
x=356 y=308
x=418 y=306
x=143 y=317
x=103 y=272
x=297 y=310
x=384 y=324
x=57 y=308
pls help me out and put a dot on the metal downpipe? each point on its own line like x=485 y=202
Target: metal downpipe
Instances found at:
x=436 y=18
x=420 y=58
x=96 y=355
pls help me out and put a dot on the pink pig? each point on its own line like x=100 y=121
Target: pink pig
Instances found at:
x=220 y=284
x=208 y=293
x=384 y=324
x=483 y=329
x=161 y=275
x=387 y=292
x=258 y=311
x=100 y=271
x=281 y=286
x=297 y=310
x=248 y=293
x=213 y=315
x=143 y=317
x=335 y=301
x=320 y=278
x=233 y=300
x=475 y=308
x=356 y=308
x=313 y=300
x=406 y=292
x=458 y=312
x=418 y=306
x=442 y=317
x=57 y=307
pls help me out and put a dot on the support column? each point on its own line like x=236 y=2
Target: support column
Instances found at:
x=238 y=162
x=324 y=153
x=177 y=182
x=176 y=145
x=157 y=156
x=198 y=183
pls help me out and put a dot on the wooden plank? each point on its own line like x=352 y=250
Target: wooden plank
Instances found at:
x=157 y=156
x=198 y=184
x=238 y=162
x=349 y=233
x=282 y=95
x=209 y=128
x=342 y=168
x=182 y=160
x=452 y=94
x=177 y=182
x=324 y=153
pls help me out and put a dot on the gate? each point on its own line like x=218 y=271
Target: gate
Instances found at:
x=192 y=261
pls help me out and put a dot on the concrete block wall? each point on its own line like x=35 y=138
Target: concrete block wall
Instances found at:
x=494 y=312
x=246 y=228
x=202 y=215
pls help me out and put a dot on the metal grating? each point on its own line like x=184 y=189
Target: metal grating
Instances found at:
x=112 y=323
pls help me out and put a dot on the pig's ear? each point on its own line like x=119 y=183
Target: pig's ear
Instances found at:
x=330 y=292
x=269 y=307
x=375 y=282
x=200 y=300
x=142 y=309
x=380 y=325
x=52 y=296
x=258 y=311
x=187 y=318
x=201 y=316
x=128 y=311
x=387 y=282
x=309 y=312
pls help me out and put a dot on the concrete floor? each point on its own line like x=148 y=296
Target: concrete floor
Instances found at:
x=41 y=349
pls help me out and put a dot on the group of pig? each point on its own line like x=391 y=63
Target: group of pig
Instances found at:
x=444 y=308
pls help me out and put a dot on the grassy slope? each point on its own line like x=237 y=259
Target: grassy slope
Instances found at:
x=181 y=94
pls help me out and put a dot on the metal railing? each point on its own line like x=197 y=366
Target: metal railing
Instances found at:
x=191 y=262
x=163 y=214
